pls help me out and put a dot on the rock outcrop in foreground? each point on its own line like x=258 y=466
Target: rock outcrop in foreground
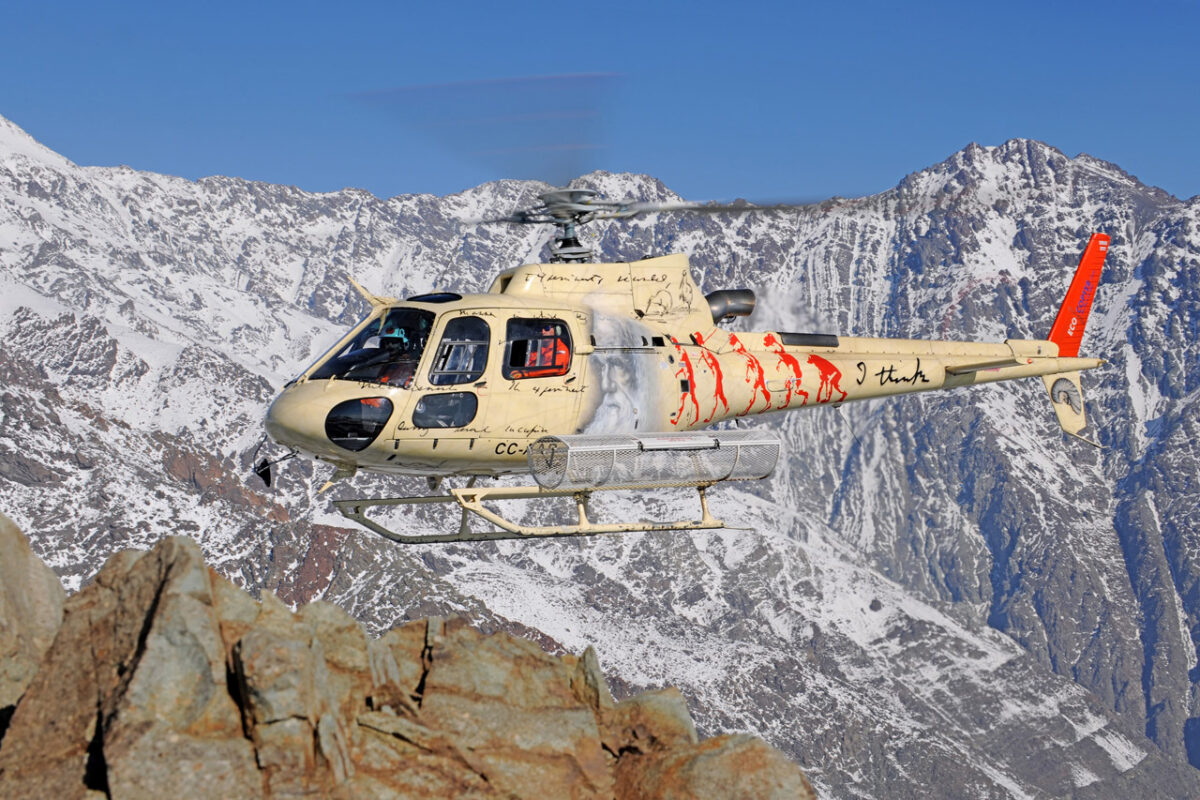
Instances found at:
x=31 y=609
x=165 y=680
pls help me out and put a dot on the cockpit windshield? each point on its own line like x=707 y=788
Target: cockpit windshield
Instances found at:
x=387 y=350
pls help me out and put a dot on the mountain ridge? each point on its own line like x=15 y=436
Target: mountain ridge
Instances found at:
x=167 y=311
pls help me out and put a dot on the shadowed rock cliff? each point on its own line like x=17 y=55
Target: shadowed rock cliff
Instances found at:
x=166 y=678
x=31 y=608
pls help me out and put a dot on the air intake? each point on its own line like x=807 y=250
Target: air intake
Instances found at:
x=727 y=303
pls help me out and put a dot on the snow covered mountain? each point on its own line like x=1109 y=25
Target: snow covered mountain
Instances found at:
x=939 y=595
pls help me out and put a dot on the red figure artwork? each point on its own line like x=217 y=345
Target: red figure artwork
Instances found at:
x=686 y=373
x=711 y=360
x=831 y=378
x=789 y=361
x=753 y=370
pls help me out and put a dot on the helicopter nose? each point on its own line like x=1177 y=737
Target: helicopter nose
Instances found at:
x=307 y=418
x=295 y=419
x=286 y=421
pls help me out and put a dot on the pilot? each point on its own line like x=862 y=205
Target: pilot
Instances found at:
x=552 y=352
x=399 y=370
x=395 y=338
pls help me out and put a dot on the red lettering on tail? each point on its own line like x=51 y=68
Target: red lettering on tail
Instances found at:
x=831 y=378
x=753 y=370
x=791 y=363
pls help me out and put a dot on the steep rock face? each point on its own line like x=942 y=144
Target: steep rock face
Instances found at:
x=1064 y=547
x=31 y=604
x=131 y=697
x=147 y=320
x=165 y=679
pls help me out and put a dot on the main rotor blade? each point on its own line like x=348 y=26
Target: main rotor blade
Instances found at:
x=590 y=210
x=547 y=127
x=737 y=207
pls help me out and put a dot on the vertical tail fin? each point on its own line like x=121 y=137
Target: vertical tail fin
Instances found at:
x=1067 y=331
x=1066 y=393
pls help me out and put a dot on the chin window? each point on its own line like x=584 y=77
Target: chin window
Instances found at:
x=354 y=424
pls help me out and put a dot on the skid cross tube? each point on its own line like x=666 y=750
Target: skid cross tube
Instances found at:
x=471 y=500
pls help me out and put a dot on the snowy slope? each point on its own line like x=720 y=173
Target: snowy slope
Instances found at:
x=939 y=596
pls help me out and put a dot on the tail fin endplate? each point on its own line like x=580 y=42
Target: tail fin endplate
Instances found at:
x=1067 y=331
x=1066 y=395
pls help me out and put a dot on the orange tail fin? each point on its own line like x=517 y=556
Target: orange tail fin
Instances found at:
x=1067 y=331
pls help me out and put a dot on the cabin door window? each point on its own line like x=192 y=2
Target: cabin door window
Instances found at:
x=462 y=355
x=536 y=348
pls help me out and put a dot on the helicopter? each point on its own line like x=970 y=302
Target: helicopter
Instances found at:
x=591 y=377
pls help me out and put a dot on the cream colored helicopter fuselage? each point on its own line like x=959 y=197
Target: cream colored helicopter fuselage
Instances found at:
x=625 y=348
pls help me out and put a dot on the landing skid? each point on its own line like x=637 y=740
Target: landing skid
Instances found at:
x=471 y=500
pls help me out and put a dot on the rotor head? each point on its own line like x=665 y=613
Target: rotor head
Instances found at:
x=567 y=209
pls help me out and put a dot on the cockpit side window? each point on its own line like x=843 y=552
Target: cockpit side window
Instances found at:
x=386 y=351
x=462 y=354
x=537 y=348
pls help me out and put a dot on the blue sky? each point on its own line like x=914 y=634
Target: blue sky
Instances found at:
x=719 y=100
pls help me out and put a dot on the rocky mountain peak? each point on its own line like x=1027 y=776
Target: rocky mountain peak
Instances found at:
x=15 y=143
x=1027 y=169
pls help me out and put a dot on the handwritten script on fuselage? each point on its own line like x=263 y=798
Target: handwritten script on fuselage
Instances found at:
x=887 y=374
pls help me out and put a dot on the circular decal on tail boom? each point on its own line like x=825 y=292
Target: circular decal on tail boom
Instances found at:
x=1064 y=391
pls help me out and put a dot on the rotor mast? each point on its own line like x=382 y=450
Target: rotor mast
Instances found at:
x=567 y=209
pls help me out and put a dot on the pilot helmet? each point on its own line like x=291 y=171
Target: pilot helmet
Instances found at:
x=394 y=336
